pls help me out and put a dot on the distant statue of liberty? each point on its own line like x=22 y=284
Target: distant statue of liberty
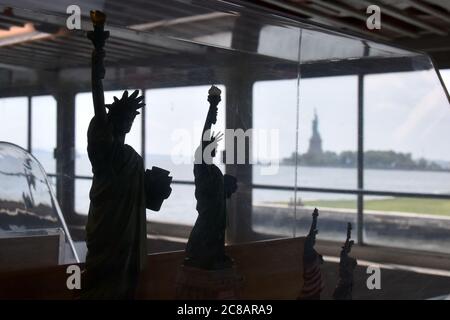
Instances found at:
x=315 y=142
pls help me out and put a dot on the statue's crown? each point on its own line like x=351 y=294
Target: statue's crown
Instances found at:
x=127 y=104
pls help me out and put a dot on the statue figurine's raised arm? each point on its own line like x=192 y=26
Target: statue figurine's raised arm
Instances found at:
x=347 y=267
x=205 y=248
x=208 y=137
x=116 y=230
x=98 y=38
x=310 y=252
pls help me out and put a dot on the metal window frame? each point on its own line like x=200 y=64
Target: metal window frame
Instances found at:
x=359 y=192
x=320 y=190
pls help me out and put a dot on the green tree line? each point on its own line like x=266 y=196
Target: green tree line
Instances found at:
x=372 y=160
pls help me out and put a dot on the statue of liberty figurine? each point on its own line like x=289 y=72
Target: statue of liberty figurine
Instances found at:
x=206 y=246
x=116 y=230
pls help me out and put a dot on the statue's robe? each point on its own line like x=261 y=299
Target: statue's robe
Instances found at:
x=344 y=287
x=116 y=228
x=205 y=247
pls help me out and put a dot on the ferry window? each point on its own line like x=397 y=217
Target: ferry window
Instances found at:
x=43 y=128
x=404 y=149
x=14 y=120
x=274 y=140
x=174 y=122
x=328 y=132
x=445 y=74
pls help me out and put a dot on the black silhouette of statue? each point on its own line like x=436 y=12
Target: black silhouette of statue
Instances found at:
x=313 y=283
x=347 y=265
x=116 y=231
x=206 y=246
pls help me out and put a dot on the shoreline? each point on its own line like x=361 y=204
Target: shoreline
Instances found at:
x=355 y=167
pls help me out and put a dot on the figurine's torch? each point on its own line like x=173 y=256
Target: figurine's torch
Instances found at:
x=98 y=18
x=99 y=35
x=214 y=91
x=315 y=214
x=214 y=99
x=348 y=243
x=349 y=232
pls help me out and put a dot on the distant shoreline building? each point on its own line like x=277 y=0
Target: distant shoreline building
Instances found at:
x=315 y=142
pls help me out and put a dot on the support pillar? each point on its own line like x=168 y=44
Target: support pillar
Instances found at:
x=65 y=152
x=360 y=179
x=239 y=115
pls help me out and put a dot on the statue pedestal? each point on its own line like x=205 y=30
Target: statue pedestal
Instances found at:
x=193 y=283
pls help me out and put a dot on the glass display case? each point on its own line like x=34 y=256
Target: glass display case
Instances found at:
x=33 y=231
x=351 y=126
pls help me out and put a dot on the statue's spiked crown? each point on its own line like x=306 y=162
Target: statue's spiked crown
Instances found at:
x=126 y=104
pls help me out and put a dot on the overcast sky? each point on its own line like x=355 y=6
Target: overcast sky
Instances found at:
x=405 y=112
